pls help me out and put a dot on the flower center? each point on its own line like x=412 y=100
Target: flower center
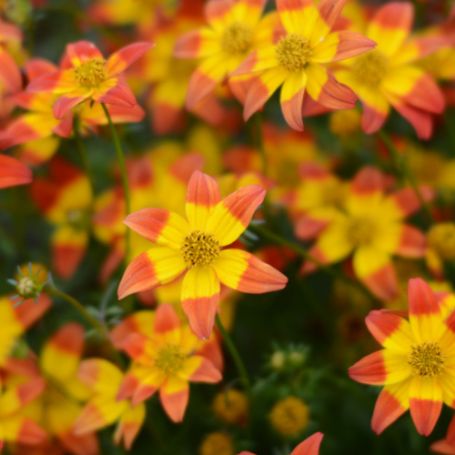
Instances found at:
x=426 y=359
x=169 y=359
x=91 y=73
x=199 y=249
x=26 y=287
x=237 y=39
x=442 y=239
x=293 y=52
x=360 y=231
x=370 y=69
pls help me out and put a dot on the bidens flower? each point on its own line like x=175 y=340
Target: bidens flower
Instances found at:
x=417 y=362
x=167 y=359
x=195 y=249
x=389 y=75
x=85 y=75
x=298 y=61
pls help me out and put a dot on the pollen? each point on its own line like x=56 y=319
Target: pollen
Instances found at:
x=200 y=249
x=170 y=359
x=441 y=238
x=237 y=39
x=293 y=52
x=91 y=73
x=370 y=69
x=360 y=231
x=426 y=359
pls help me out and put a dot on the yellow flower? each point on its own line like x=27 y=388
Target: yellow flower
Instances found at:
x=231 y=406
x=289 y=416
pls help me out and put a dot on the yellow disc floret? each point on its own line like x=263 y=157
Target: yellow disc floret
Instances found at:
x=360 y=231
x=237 y=39
x=293 y=52
x=426 y=359
x=289 y=416
x=200 y=249
x=170 y=359
x=370 y=69
x=91 y=73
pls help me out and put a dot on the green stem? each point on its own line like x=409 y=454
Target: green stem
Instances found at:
x=83 y=154
x=235 y=356
x=124 y=175
x=91 y=320
x=405 y=173
x=278 y=240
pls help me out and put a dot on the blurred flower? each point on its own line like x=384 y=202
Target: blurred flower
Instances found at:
x=13 y=172
x=234 y=29
x=104 y=407
x=16 y=391
x=166 y=359
x=441 y=246
x=371 y=225
x=345 y=123
x=389 y=75
x=193 y=247
x=30 y=281
x=289 y=416
x=231 y=406
x=416 y=362
x=64 y=198
x=16 y=319
x=298 y=61
x=217 y=443
x=86 y=76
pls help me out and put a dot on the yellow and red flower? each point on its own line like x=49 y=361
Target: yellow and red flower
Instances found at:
x=417 y=362
x=104 y=407
x=16 y=391
x=193 y=247
x=64 y=198
x=166 y=360
x=234 y=29
x=390 y=75
x=371 y=225
x=298 y=59
x=85 y=75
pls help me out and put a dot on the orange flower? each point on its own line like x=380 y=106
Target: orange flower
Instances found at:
x=417 y=362
x=166 y=359
x=390 y=75
x=298 y=59
x=193 y=247
x=85 y=75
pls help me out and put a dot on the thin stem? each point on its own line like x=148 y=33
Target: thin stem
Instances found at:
x=278 y=240
x=403 y=169
x=83 y=154
x=124 y=175
x=235 y=355
x=96 y=325
x=90 y=319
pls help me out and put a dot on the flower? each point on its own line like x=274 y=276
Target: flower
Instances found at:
x=298 y=61
x=416 y=364
x=234 y=29
x=13 y=172
x=217 y=443
x=85 y=75
x=16 y=391
x=446 y=446
x=441 y=246
x=29 y=282
x=194 y=248
x=104 y=407
x=390 y=76
x=64 y=198
x=231 y=406
x=310 y=446
x=289 y=416
x=166 y=358
x=371 y=225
